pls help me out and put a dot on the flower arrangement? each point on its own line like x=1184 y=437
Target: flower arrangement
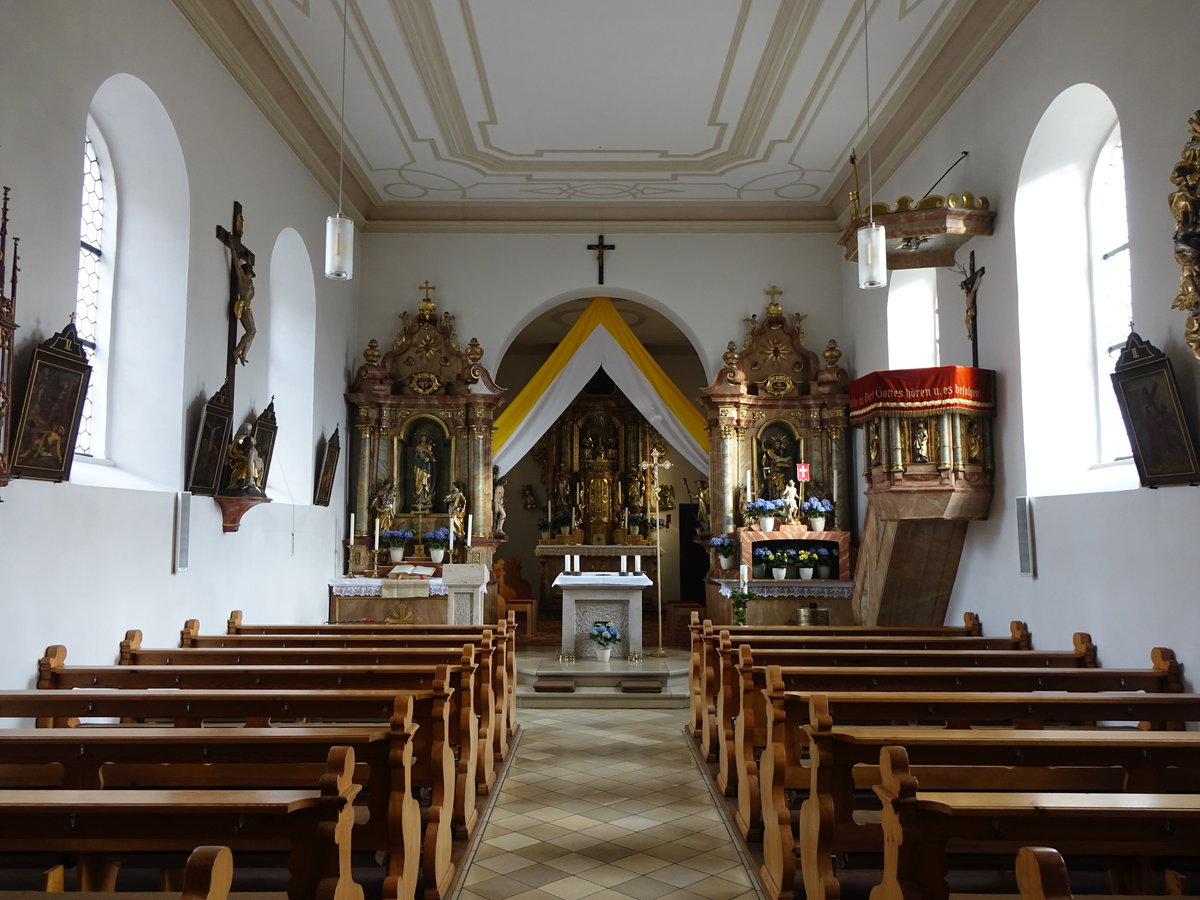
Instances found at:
x=740 y=600
x=806 y=559
x=761 y=554
x=722 y=543
x=543 y=524
x=637 y=520
x=436 y=540
x=761 y=507
x=816 y=506
x=824 y=557
x=604 y=633
x=778 y=559
x=396 y=538
x=562 y=519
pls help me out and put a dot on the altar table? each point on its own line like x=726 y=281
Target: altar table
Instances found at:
x=591 y=597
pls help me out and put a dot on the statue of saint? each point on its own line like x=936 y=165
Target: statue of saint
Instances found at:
x=791 y=496
x=636 y=492
x=245 y=465
x=384 y=504
x=456 y=506
x=920 y=441
x=499 y=514
x=424 y=469
x=527 y=499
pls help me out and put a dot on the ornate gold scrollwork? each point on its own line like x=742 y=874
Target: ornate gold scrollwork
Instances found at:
x=727 y=431
x=778 y=385
x=1185 y=204
x=424 y=383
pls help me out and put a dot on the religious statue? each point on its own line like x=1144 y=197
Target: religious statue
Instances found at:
x=700 y=498
x=974 y=441
x=384 y=504
x=873 y=443
x=636 y=491
x=775 y=464
x=970 y=286
x=424 y=470
x=456 y=506
x=666 y=497
x=527 y=499
x=791 y=499
x=245 y=465
x=562 y=492
x=920 y=441
x=243 y=271
x=498 y=512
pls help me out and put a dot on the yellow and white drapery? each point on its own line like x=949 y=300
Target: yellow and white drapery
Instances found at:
x=600 y=338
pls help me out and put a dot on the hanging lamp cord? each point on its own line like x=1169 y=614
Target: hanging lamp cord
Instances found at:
x=870 y=168
x=342 y=108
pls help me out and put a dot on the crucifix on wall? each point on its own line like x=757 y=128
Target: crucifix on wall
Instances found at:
x=970 y=286
x=600 y=247
x=241 y=293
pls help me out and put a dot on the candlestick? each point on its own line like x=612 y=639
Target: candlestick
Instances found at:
x=469 y=523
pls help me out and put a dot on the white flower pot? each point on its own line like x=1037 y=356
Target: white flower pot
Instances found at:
x=397 y=554
x=545 y=537
x=805 y=574
x=766 y=523
x=725 y=562
x=825 y=571
x=779 y=573
x=816 y=523
x=603 y=654
x=437 y=554
x=758 y=570
x=635 y=529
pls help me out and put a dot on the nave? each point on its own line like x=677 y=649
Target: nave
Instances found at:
x=606 y=804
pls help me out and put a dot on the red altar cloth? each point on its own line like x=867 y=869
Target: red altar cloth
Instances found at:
x=922 y=392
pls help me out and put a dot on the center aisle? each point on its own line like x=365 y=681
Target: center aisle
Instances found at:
x=606 y=804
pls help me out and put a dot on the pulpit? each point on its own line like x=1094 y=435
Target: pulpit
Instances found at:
x=590 y=597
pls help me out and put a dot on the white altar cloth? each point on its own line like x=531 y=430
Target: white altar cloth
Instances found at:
x=592 y=597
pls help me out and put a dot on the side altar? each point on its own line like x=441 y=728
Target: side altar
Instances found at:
x=590 y=597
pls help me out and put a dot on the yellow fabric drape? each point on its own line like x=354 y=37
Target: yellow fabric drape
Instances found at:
x=600 y=313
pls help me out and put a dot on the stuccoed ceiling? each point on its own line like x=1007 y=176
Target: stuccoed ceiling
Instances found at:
x=633 y=115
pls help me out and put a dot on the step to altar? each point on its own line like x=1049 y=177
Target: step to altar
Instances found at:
x=544 y=680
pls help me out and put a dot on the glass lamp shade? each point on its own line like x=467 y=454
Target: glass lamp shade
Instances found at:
x=339 y=247
x=872 y=257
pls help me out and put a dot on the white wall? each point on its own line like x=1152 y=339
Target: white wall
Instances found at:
x=1120 y=565
x=81 y=563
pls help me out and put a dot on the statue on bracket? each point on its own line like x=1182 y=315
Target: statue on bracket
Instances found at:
x=456 y=506
x=384 y=504
x=499 y=514
x=245 y=465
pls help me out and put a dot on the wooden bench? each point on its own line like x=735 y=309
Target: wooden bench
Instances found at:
x=921 y=827
x=740 y=703
x=505 y=632
x=487 y=710
x=1042 y=875
x=54 y=673
x=784 y=767
x=312 y=826
x=431 y=770
x=699 y=672
x=207 y=875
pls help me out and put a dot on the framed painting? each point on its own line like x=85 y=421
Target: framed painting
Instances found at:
x=265 y=431
x=327 y=469
x=44 y=440
x=1158 y=431
x=212 y=438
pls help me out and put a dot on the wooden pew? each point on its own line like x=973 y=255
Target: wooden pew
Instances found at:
x=432 y=767
x=207 y=875
x=486 y=708
x=740 y=703
x=505 y=630
x=783 y=766
x=313 y=826
x=920 y=826
x=842 y=759
x=91 y=758
x=1042 y=875
x=54 y=673
x=702 y=675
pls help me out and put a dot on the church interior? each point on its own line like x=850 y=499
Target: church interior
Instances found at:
x=440 y=314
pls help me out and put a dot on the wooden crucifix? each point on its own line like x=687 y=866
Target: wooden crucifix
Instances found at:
x=970 y=286
x=241 y=293
x=600 y=247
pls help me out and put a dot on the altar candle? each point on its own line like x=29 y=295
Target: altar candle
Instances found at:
x=742 y=576
x=747 y=485
x=572 y=518
x=469 y=523
x=637 y=562
x=377 y=535
x=622 y=565
x=352 y=528
x=627 y=519
x=451 y=530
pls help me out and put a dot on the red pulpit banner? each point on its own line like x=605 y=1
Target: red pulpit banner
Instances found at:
x=922 y=392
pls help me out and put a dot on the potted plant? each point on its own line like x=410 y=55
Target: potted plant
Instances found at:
x=397 y=541
x=777 y=562
x=605 y=634
x=806 y=561
x=543 y=527
x=765 y=511
x=826 y=562
x=815 y=509
x=760 y=557
x=436 y=543
x=561 y=521
x=740 y=600
x=724 y=545
x=637 y=522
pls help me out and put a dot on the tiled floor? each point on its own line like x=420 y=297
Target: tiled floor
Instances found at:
x=606 y=804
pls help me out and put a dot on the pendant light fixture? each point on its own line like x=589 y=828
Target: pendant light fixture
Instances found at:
x=339 y=228
x=872 y=252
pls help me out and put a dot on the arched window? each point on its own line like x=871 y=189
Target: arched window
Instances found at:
x=1073 y=296
x=93 y=301
x=912 y=315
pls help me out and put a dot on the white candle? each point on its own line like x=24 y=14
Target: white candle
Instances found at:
x=743 y=575
x=627 y=518
x=376 y=534
x=747 y=485
x=622 y=565
x=637 y=562
x=572 y=518
x=469 y=523
x=451 y=530
x=352 y=528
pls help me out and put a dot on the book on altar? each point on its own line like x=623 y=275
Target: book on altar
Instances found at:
x=418 y=571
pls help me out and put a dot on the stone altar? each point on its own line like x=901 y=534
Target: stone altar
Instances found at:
x=591 y=597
